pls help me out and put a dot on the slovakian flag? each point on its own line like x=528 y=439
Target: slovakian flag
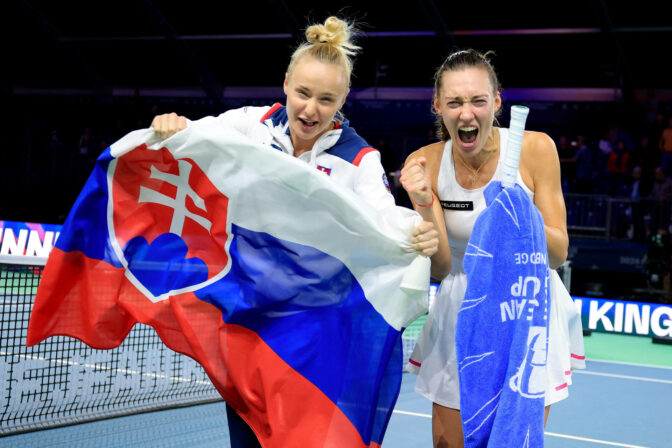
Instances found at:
x=289 y=290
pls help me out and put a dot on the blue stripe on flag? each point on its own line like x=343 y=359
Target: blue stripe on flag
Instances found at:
x=309 y=308
x=85 y=229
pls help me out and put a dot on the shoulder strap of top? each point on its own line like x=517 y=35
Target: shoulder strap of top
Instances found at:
x=446 y=172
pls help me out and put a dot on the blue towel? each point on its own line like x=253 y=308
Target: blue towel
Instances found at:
x=502 y=327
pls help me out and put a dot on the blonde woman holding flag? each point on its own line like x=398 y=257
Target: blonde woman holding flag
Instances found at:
x=311 y=128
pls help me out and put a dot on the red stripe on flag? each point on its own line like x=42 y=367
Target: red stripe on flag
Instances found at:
x=94 y=302
x=66 y=278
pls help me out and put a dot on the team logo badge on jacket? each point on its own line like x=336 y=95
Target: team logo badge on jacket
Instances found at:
x=324 y=169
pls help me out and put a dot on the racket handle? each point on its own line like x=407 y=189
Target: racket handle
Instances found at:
x=514 y=145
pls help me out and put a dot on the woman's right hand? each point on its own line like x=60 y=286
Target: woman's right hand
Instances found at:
x=168 y=124
x=415 y=180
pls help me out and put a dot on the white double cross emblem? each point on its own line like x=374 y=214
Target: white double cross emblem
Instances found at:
x=178 y=204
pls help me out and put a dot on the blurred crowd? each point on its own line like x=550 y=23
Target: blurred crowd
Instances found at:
x=621 y=162
x=626 y=170
x=616 y=160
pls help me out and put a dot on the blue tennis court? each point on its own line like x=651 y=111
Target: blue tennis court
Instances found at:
x=610 y=404
x=621 y=399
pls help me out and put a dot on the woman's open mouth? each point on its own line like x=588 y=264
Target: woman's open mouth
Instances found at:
x=468 y=134
x=308 y=123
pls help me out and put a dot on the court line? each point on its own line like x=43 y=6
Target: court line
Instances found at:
x=101 y=367
x=586 y=439
x=625 y=377
x=414 y=414
x=551 y=434
x=635 y=364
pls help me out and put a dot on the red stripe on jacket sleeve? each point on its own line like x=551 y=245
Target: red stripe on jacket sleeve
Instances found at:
x=361 y=154
x=270 y=112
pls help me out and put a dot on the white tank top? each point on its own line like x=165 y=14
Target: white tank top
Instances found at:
x=457 y=202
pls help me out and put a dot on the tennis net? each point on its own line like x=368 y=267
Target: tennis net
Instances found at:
x=63 y=381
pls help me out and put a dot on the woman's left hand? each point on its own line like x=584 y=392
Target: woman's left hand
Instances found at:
x=425 y=239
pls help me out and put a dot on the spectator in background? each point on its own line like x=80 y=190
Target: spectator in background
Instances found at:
x=606 y=147
x=661 y=192
x=637 y=187
x=665 y=145
x=605 y=144
x=566 y=152
x=656 y=128
x=646 y=155
x=617 y=167
x=639 y=183
x=662 y=185
x=635 y=184
x=585 y=166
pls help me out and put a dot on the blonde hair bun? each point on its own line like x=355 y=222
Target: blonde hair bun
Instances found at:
x=330 y=43
x=334 y=32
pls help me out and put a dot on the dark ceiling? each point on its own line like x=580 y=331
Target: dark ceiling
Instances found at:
x=211 y=45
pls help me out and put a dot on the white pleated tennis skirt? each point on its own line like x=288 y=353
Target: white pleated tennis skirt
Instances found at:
x=434 y=357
